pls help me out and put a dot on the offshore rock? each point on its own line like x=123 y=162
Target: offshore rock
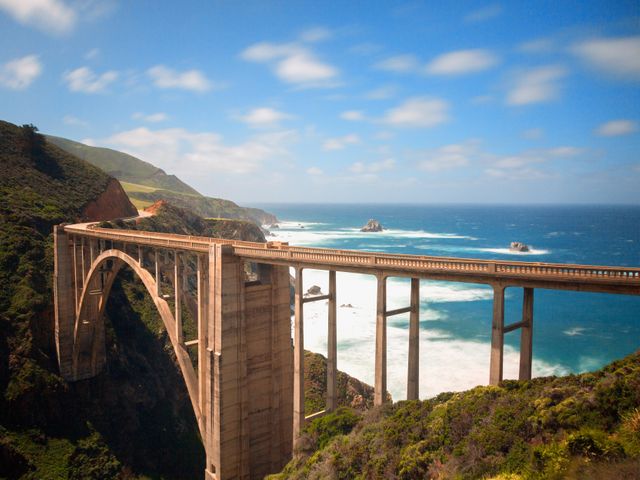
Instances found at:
x=372 y=226
x=518 y=247
x=314 y=290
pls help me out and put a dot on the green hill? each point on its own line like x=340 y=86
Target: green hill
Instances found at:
x=146 y=184
x=124 y=167
x=575 y=427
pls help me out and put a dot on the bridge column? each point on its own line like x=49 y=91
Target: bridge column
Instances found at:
x=298 y=359
x=177 y=296
x=380 y=392
x=497 y=336
x=332 y=346
x=413 y=375
x=526 y=335
x=64 y=301
x=226 y=405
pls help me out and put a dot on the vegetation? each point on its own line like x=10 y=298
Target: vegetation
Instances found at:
x=146 y=184
x=579 y=426
x=50 y=429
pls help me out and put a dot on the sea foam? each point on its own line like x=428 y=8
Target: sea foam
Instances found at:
x=446 y=363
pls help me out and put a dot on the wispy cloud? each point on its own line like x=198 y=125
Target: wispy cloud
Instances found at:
x=316 y=34
x=533 y=134
x=418 y=112
x=536 y=85
x=84 y=80
x=51 y=16
x=19 y=73
x=264 y=117
x=338 y=143
x=462 y=62
x=381 y=93
x=614 y=128
x=483 y=14
x=373 y=167
x=193 y=80
x=618 y=57
x=352 y=115
x=177 y=149
x=293 y=63
x=539 y=45
x=151 y=118
x=398 y=64
x=314 y=171
x=74 y=121
x=448 y=157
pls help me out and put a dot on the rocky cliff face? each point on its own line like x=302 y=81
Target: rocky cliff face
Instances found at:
x=112 y=203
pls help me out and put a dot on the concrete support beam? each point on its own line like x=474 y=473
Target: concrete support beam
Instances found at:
x=298 y=359
x=380 y=392
x=177 y=295
x=64 y=298
x=332 y=345
x=157 y=273
x=413 y=374
x=526 y=336
x=497 y=336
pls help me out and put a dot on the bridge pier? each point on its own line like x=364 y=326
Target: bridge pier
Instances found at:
x=413 y=367
x=498 y=329
x=380 y=383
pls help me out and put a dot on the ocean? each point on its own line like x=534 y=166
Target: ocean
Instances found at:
x=573 y=331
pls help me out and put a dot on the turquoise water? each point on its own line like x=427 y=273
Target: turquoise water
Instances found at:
x=573 y=331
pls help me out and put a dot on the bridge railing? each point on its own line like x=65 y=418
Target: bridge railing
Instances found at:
x=282 y=252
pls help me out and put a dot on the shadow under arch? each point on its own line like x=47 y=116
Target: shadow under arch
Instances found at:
x=88 y=333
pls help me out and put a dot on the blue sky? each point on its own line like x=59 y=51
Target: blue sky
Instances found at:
x=422 y=102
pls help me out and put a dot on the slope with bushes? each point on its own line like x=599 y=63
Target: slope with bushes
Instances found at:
x=579 y=426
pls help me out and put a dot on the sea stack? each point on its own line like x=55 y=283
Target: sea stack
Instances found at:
x=518 y=247
x=372 y=226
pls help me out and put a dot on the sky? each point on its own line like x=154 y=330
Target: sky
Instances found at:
x=334 y=101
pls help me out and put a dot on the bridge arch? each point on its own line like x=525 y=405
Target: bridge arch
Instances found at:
x=88 y=331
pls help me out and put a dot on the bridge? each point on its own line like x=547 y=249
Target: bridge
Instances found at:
x=244 y=378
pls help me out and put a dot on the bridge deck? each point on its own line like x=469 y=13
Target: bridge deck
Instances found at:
x=595 y=278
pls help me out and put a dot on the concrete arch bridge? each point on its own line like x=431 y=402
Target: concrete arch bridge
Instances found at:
x=246 y=380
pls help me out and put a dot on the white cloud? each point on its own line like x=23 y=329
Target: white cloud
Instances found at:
x=539 y=45
x=293 y=63
x=461 y=62
x=536 y=85
x=618 y=57
x=84 y=80
x=381 y=93
x=314 y=171
x=264 y=117
x=373 y=167
x=448 y=157
x=315 y=34
x=179 y=150
x=52 y=16
x=398 y=64
x=338 y=143
x=483 y=14
x=614 y=128
x=19 y=73
x=527 y=165
x=151 y=118
x=193 y=80
x=91 y=54
x=533 y=134
x=352 y=115
x=74 y=121
x=418 y=112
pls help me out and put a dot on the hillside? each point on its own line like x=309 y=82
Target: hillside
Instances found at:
x=146 y=184
x=578 y=427
x=134 y=420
